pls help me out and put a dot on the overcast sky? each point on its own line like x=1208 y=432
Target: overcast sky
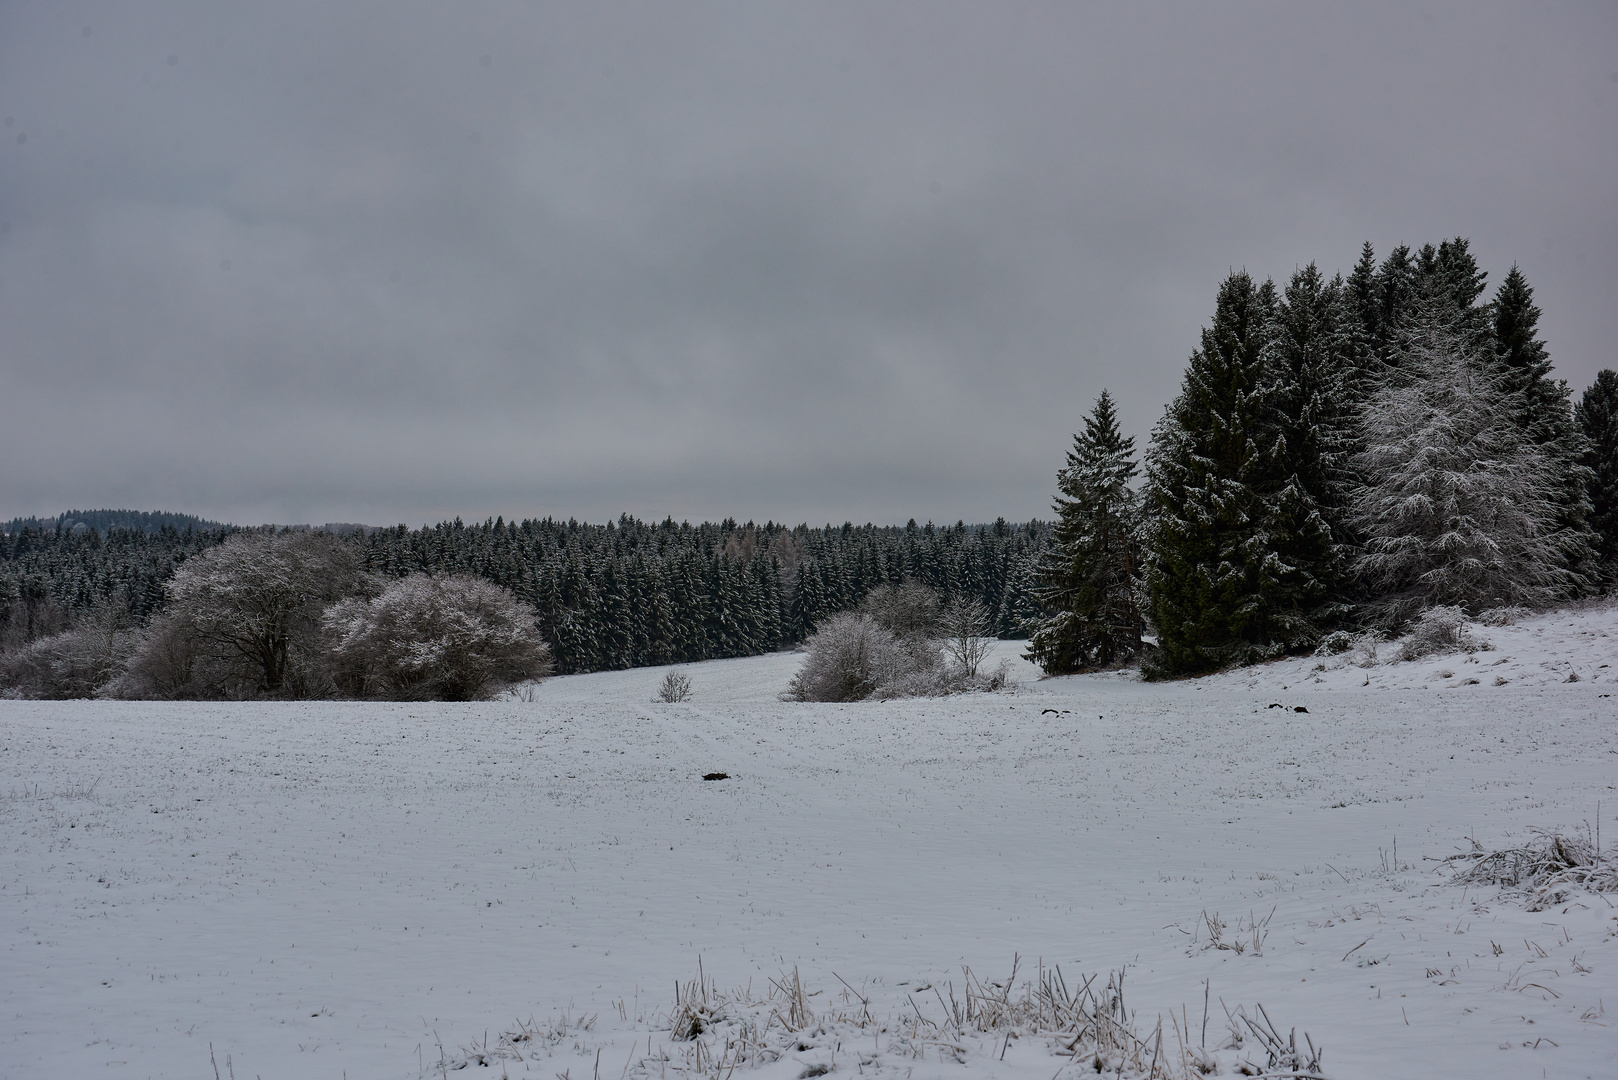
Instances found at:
x=392 y=261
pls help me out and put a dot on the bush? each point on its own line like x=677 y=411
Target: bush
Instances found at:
x=941 y=680
x=676 y=687
x=1338 y=641
x=445 y=638
x=853 y=657
x=169 y=665
x=847 y=659
x=1503 y=616
x=1439 y=630
x=75 y=663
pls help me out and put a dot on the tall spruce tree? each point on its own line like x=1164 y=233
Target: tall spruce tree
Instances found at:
x=1312 y=401
x=1458 y=504
x=1544 y=411
x=1218 y=594
x=1598 y=420
x=1088 y=580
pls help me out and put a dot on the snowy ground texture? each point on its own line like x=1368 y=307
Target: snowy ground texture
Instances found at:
x=363 y=890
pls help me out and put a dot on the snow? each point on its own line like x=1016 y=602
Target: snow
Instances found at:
x=366 y=890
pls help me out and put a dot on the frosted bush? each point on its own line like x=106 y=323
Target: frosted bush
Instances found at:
x=446 y=638
x=1364 y=651
x=76 y=663
x=853 y=657
x=1503 y=616
x=1338 y=641
x=847 y=658
x=1439 y=630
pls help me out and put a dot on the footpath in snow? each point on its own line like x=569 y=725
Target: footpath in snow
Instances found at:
x=379 y=890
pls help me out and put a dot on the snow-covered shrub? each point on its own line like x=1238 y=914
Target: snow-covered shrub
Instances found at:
x=1364 y=651
x=853 y=656
x=676 y=687
x=1503 y=616
x=445 y=638
x=941 y=680
x=170 y=664
x=1439 y=630
x=76 y=663
x=1338 y=641
x=847 y=658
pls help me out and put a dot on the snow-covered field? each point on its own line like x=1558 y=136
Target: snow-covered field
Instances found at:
x=365 y=890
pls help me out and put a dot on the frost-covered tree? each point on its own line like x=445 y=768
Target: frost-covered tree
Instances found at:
x=1598 y=420
x=1219 y=593
x=1090 y=577
x=452 y=637
x=251 y=608
x=1458 y=505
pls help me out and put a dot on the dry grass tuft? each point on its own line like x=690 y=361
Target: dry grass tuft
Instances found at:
x=711 y=1034
x=1549 y=868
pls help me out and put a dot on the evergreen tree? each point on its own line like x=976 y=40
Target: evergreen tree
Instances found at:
x=1089 y=578
x=1395 y=289
x=1458 y=505
x=1217 y=595
x=1310 y=403
x=1598 y=420
x=1019 y=609
x=1544 y=411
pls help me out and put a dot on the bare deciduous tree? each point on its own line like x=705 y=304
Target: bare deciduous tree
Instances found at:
x=676 y=687
x=252 y=608
x=964 y=624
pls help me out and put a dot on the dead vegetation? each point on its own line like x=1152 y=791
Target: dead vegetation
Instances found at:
x=711 y=1034
x=1250 y=932
x=1548 y=869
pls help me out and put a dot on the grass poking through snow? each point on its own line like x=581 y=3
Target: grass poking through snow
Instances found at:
x=713 y=1034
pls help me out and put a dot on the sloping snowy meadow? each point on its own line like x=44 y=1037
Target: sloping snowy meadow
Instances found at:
x=377 y=890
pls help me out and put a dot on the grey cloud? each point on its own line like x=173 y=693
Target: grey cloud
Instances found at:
x=802 y=262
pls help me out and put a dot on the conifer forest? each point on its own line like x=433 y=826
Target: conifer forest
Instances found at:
x=1344 y=453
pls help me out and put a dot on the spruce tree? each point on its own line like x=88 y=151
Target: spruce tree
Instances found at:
x=1217 y=595
x=1310 y=403
x=1598 y=420
x=1395 y=289
x=1544 y=411
x=1458 y=504
x=1089 y=578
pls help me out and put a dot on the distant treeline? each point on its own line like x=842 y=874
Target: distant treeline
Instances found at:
x=104 y=521
x=624 y=594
